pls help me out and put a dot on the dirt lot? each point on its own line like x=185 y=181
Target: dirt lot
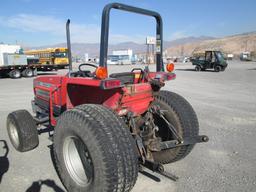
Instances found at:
x=225 y=103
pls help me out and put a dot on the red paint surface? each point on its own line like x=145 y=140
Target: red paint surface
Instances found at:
x=72 y=91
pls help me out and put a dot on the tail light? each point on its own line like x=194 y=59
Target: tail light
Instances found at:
x=101 y=72
x=111 y=84
x=170 y=67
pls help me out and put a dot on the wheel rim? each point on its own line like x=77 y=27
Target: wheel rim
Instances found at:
x=16 y=74
x=29 y=73
x=217 y=68
x=14 y=135
x=78 y=161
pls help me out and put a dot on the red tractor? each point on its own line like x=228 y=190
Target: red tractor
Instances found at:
x=107 y=126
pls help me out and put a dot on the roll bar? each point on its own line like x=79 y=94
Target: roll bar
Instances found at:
x=105 y=31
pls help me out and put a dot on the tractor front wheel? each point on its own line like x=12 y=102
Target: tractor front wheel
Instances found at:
x=22 y=130
x=178 y=112
x=94 y=150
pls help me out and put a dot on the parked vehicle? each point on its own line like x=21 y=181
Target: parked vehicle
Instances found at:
x=245 y=56
x=210 y=60
x=52 y=56
x=105 y=126
x=15 y=64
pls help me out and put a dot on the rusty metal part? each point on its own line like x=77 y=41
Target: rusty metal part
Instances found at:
x=156 y=110
x=141 y=149
x=186 y=141
x=159 y=168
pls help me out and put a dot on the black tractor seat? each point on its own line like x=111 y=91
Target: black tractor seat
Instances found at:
x=125 y=78
x=81 y=74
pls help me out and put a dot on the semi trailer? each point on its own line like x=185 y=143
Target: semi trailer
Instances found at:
x=15 y=64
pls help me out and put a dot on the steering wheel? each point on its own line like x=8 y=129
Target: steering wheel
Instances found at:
x=86 y=64
x=86 y=73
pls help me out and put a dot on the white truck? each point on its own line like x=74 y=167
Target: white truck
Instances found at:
x=13 y=63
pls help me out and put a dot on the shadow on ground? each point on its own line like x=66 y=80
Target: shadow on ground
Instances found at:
x=37 y=185
x=4 y=161
x=46 y=73
x=194 y=70
x=40 y=73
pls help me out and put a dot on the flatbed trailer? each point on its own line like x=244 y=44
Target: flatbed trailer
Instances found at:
x=18 y=71
x=15 y=64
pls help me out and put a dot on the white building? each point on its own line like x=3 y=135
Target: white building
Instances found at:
x=121 y=57
x=128 y=52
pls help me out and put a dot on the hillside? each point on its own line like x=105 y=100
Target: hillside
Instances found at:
x=79 y=49
x=231 y=44
x=185 y=46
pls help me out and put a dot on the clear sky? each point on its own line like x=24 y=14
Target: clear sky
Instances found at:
x=42 y=22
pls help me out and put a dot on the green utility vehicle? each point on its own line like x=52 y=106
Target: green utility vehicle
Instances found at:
x=210 y=60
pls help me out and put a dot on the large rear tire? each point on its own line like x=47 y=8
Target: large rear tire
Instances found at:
x=182 y=116
x=94 y=150
x=22 y=130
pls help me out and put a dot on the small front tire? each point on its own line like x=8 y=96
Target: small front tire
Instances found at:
x=22 y=130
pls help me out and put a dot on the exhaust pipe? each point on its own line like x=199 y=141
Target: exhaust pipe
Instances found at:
x=69 y=46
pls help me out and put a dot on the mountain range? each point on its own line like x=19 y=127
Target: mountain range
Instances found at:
x=234 y=44
x=185 y=46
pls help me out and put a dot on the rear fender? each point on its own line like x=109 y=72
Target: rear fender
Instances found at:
x=136 y=99
x=84 y=94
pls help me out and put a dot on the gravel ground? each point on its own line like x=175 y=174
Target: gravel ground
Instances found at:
x=225 y=103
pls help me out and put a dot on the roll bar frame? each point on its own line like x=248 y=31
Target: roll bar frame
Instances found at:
x=105 y=31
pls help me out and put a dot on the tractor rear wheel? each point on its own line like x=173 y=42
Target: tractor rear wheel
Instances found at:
x=94 y=150
x=22 y=130
x=181 y=115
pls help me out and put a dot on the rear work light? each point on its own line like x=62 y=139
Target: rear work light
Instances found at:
x=101 y=72
x=170 y=67
x=111 y=84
